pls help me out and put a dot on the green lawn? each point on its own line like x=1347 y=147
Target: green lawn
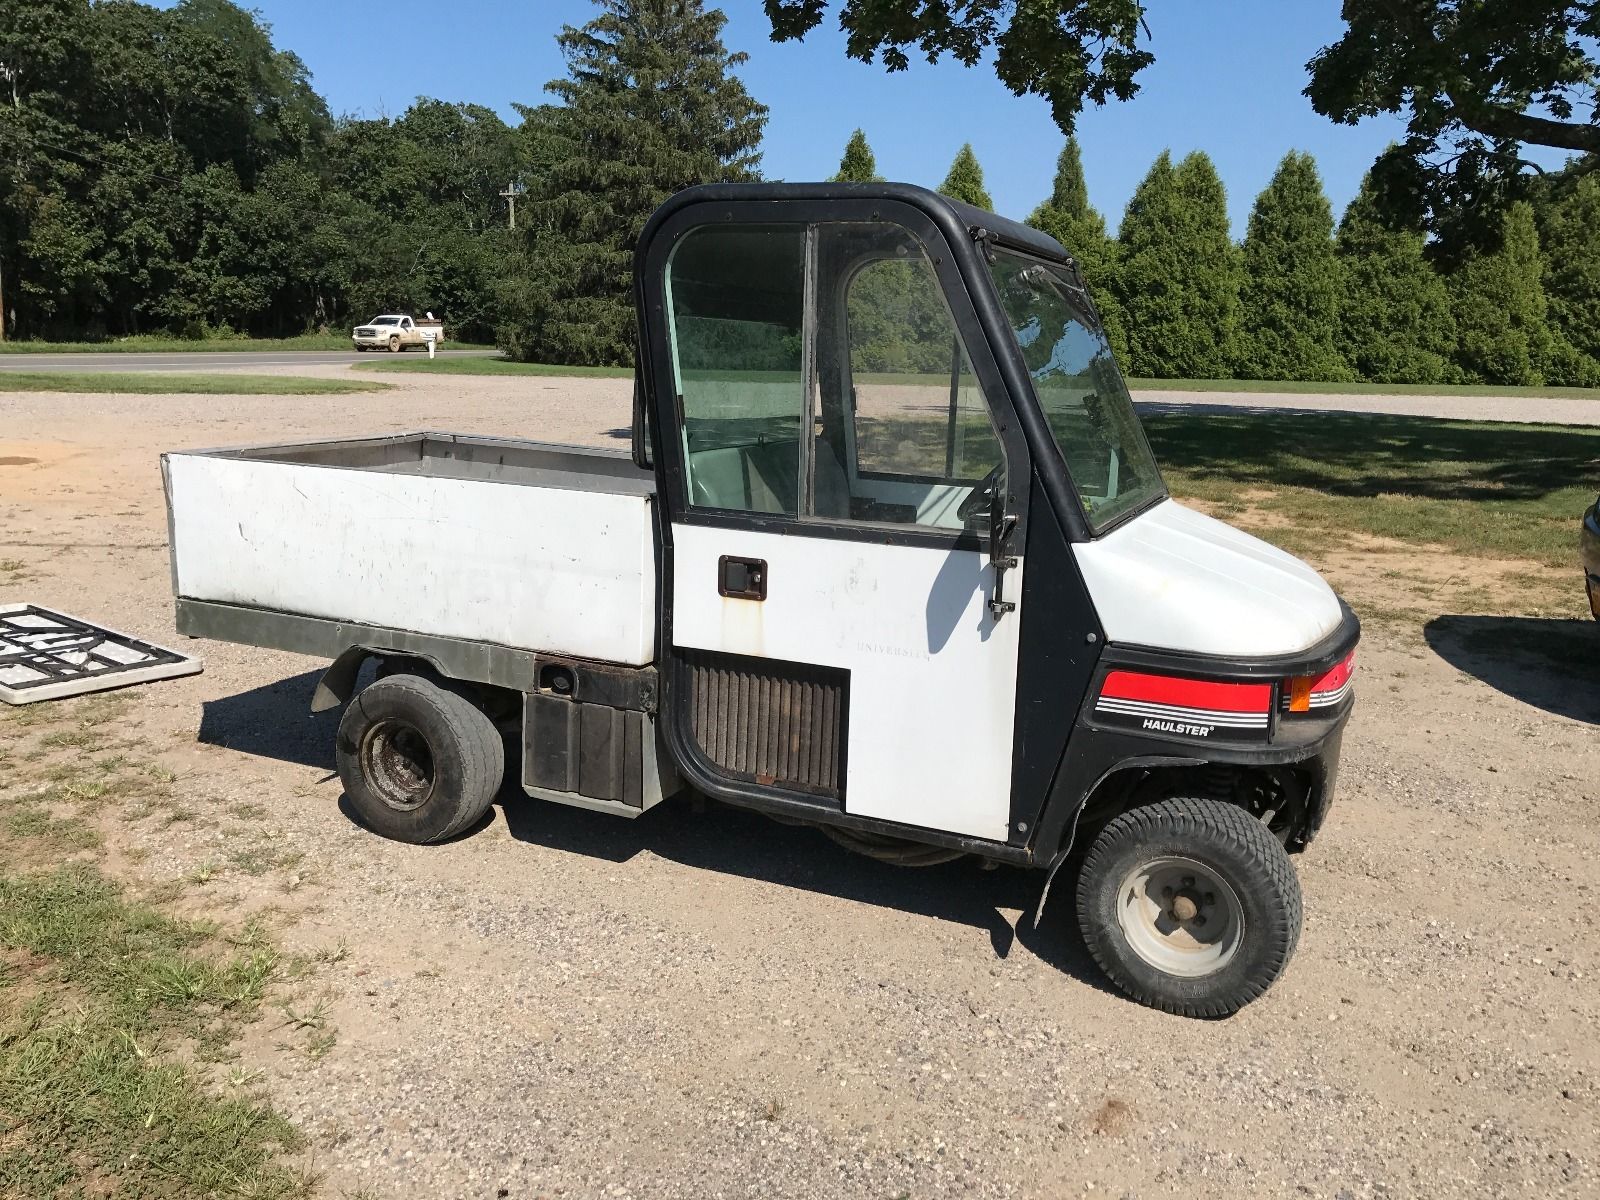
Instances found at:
x=197 y=385
x=1357 y=389
x=162 y=343
x=1488 y=489
x=118 y=1017
x=422 y=365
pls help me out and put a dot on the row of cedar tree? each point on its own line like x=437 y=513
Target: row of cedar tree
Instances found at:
x=172 y=170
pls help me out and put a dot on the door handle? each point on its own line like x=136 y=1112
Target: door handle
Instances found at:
x=742 y=578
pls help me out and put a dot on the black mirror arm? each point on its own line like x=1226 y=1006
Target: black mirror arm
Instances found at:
x=1001 y=526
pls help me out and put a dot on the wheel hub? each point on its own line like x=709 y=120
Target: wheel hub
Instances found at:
x=398 y=762
x=1180 y=916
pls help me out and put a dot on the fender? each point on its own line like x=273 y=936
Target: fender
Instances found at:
x=338 y=682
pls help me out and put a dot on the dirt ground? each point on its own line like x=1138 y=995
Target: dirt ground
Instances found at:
x=708 y=1004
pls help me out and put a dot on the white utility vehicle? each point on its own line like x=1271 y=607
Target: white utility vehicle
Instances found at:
x=890 y=556
x=396 y=332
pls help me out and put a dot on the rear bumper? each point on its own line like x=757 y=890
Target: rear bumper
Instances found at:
x=1590 y=552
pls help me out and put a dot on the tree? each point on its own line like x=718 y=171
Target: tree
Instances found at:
x=1569 y=228
x=649 y=106
x=1477 y=80
x=858 y=164
x=965 y=181
x=1395 y=323
x=1289 y=302
x=1501 y=310
x=1067 y=216
x=1067 y=51
x=1178 y=281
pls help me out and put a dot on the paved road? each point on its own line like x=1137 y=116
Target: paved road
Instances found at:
x=1562 y=410
x=196 y=360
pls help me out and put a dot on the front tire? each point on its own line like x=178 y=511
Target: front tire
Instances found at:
x=420 y=760
x=394 y=344
x=1189 y=905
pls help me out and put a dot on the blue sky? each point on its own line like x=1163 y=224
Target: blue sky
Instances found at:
x=1227 y=80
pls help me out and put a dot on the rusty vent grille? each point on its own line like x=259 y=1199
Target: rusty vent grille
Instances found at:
x=776 y=723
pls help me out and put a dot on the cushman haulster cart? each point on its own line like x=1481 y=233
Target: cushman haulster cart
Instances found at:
x=890 y=556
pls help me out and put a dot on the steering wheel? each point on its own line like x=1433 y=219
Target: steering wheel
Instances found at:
x=981 y=498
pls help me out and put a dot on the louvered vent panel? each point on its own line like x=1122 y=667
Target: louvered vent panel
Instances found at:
x=771 y=722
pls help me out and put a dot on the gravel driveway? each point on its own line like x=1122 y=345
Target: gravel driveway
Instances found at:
x=708 y=1004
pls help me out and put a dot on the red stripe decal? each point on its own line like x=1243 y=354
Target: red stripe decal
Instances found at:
x=1189 y=693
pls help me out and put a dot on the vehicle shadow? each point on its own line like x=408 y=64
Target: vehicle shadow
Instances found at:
x=274 y=721
x=738 y=842
x=1543 y=661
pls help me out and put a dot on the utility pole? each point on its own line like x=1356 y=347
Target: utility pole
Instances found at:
x=511 y=193
x=2 y=297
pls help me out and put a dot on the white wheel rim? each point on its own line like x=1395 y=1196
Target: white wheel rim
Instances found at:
x=1180 y=916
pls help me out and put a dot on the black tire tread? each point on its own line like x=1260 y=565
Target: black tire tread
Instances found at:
x=1203 y=821
x=477 y=739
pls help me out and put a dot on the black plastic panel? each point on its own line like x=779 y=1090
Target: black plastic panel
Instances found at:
x=778 y=724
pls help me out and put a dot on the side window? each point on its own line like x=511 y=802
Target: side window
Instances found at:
x=736 y=309
x=919 y=447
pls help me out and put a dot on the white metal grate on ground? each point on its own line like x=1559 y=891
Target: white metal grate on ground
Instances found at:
x=46 y=655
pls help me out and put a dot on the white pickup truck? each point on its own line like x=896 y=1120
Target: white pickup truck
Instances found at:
x=890 y=556
x=396 y=332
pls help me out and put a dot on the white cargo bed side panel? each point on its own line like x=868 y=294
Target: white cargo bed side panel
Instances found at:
x=570 y=572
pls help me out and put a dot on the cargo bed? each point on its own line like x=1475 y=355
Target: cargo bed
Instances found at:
x=522 y=544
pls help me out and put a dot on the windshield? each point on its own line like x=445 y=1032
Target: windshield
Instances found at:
x=385 y=320
x=1084 y=399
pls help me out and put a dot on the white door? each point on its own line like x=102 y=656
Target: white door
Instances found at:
x=835 y=442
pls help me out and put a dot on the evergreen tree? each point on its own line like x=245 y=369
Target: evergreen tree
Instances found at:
x=1570 y=233
x=858 y=164
x=1178 y=280
x=1395 y=323
x=1501 y=310
x=650 y=106
x=1067 y=216
x=1289 y=301
x=965 y=181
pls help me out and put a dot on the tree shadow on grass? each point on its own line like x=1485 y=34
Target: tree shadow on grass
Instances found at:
x=1371 y=454
x=1550 y=663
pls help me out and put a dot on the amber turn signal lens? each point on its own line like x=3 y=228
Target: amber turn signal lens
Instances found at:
x=1300 y=693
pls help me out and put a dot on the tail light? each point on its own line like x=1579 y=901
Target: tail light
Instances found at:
x=1315 y=693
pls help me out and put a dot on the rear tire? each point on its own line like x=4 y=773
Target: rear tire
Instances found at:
x=419 y=759
x=1189 y=905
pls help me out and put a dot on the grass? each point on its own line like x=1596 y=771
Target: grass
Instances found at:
x=162 y=343
x=100 y=989
x=1358 y=389
x=504 y=366
x=113 y=1011
x=1484 y=490
x=486 y=366
x=145 y=384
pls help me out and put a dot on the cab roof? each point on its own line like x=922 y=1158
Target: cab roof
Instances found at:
x=942 y=209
